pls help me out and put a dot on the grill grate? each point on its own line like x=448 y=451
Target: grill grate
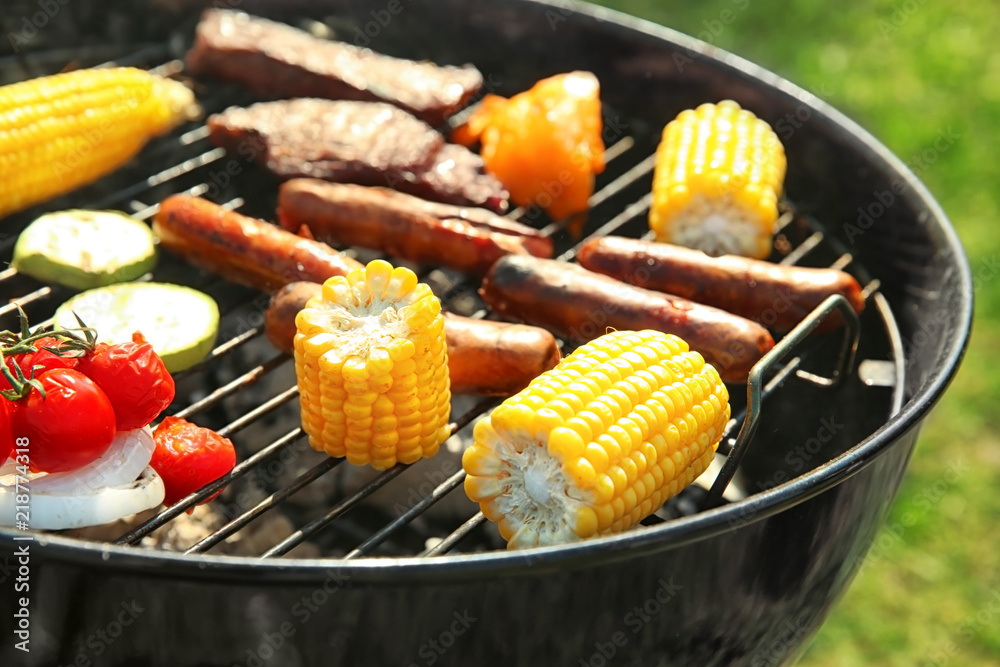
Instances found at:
x=182 y=161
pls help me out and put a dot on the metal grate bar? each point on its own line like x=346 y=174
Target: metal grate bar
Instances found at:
x=240 y=383
x=178 y=508
x=456 y=536
x=343 y=506
x=409 y=515
x=632 y=210
x=165 y=176
x=223 y=349
x=337 y=510
x=31 y=297
x=803 y=249
x=272 y=501
x=258 y=412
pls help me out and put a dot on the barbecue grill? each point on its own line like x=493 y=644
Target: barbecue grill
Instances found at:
x=712 y=579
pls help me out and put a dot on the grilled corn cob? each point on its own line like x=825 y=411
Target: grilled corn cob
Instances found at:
x=62 y=131
x=718 y=175
x=372 y=367
x=599 y=442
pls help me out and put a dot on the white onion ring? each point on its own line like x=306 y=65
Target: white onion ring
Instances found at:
x=116 y=484
x=120 y=464
x=59 y=512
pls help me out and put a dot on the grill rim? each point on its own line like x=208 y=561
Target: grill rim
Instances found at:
x=650 y=540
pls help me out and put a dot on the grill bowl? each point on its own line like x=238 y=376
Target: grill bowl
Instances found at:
x=745 y=583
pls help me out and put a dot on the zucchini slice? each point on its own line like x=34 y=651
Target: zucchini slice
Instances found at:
x=179 y=322
x=84 y=249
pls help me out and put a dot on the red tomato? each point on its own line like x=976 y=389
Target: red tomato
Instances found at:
x=133 y=377
x=47 y=360
x=72 y=425
x=6 y=441
x=188 y=457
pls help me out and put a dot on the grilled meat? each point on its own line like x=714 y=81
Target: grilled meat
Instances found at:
x=367 y=143
x=484 y=357
x=581 y=305
x=463 y=238
x=243 y=249
x=277 y=61
x=773 y=295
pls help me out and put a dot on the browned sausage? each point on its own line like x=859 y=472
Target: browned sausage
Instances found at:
x=774 y=295
x=493 y=358
x=463 y=238
x=496 y=358
x=243 y=249
x=581 y=305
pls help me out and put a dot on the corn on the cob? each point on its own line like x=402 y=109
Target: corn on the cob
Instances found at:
x=372 y=367
x=599 y=442
x=719 y=172
x=62 y=131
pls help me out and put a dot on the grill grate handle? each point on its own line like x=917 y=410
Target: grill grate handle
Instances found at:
x=755 y=381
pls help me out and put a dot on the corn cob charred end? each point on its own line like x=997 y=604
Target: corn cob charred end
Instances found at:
x=62 y=131
x=599 y=442
x=372 y=368
x=718 y=176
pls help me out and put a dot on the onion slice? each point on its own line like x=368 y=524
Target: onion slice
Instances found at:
x=117 y=484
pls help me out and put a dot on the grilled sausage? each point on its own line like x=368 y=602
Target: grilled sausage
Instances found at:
x=243 y=249
x=492 y=358
x=581 y=305
x=771 y=294
x=465 y=239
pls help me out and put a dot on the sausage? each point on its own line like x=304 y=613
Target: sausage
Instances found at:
x=581 y=305
x=484 y=357
x=464 y=238
x=243 y=249
x=771 y=294
x=496 y=358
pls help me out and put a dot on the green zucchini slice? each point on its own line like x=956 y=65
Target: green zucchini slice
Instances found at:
x=179 y=322
x=84 y=249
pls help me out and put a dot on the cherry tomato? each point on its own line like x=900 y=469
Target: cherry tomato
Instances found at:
x=133 y=377
x=6 y=440
x=71 y=426
x=47 y=360
x=188 y=457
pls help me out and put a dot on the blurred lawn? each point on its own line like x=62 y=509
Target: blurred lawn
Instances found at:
x=906 y=70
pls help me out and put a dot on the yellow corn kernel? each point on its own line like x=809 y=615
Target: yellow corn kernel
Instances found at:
x=550 y=469
x=367 y=334
x=718 y=176
x=63 y=131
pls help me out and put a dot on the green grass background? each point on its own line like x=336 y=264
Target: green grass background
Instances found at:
x=906 y=70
